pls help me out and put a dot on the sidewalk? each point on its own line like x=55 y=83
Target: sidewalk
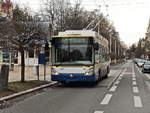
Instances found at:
x=29 y=73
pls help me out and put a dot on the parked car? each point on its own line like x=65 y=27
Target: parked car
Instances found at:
x=140 y=62
x=146 y=67
x=135 y=60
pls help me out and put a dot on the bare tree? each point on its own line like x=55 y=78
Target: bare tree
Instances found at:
x=64 y=16
x=22 y=34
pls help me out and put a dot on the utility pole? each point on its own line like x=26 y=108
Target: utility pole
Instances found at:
x=110 y=41
x=115 y=50
x=118 y=48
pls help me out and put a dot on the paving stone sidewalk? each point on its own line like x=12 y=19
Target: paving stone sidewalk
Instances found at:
x=30 y=73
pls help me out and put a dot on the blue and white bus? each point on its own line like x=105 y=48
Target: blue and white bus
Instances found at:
x=79 y=56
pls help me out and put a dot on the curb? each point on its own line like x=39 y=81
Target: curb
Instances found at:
x=3 y=99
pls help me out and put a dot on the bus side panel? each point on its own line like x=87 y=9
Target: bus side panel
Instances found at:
x=96 y=71
x=100 y=70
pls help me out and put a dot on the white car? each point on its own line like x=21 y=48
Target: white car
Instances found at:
x=140 y=63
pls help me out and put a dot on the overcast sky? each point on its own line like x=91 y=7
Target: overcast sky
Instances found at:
x=130 y=17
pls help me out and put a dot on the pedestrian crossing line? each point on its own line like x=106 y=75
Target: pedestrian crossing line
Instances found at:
x=137 y=102
x=134 y=83
x=98 y=111
x=148 y=76
x=135 y=90
x=113 y=89
x=106 y=99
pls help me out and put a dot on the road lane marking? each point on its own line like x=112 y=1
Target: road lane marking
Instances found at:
x=134 y=79
x=135 y=90
x=116 y=78
x=134 y=83
x=148 y=76
x=139 y=70
x=113 y=89
x=106 y=99
x=121 y=75
x=98 y=111
x=133 y=75
x=137 y=102
x=119 y=78
x=117 y=82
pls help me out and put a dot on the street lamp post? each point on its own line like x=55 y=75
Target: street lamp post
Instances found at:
x=115 y=49
x=110 y=41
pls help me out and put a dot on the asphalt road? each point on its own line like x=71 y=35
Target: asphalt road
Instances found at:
x=129 y=94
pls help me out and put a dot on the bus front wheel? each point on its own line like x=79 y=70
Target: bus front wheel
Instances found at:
x=100 y=76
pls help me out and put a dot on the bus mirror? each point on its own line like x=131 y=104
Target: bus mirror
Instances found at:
x=96 y=46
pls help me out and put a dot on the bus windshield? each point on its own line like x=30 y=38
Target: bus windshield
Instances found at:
x=73 y=51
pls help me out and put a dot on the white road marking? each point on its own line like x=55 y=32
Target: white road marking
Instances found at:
x=134 y=79
x=98 y=111
x=133 y=75
x=135 y=90
x=117 y=82
x=106 y=99
x=139 y=70
x=113 y=89
x=134 y=83
x=119 y=78
x=121 y=75
x=148 y=76
x=137 y=102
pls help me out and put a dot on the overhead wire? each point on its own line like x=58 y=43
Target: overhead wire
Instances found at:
x=113 y=4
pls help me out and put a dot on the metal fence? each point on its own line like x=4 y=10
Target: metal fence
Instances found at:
x=30 y=73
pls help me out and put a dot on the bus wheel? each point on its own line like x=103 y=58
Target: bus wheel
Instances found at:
x=100 y=76
x=63 y=83
x=106 y=76
x=108 y=70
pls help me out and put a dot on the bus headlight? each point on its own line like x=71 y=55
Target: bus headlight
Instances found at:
x=89 y=72
x=54 y=72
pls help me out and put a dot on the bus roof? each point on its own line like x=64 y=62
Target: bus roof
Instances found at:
x=78 y=36
x=78 y=32
x=83 y=33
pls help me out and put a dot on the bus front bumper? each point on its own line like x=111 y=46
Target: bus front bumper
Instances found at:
x=73 y=78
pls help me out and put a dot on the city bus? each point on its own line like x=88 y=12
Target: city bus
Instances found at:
x=79 y=56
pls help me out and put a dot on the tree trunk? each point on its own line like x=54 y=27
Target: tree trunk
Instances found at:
x=22 y=67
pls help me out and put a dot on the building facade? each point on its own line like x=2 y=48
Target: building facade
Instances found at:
x=6 y=7
x=148 y=32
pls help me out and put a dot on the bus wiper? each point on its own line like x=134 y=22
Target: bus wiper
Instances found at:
x=59 y=64
x=84 y=64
